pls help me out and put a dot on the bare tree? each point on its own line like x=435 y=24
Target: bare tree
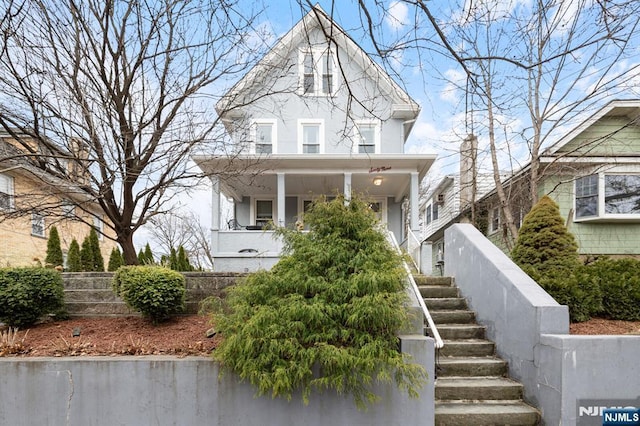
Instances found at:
x=173 y=230
x=531 y=68
x=112 y=96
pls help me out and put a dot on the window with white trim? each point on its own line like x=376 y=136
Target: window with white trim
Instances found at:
x=311 y=136
x=98 y=224
x=607 y=196
x=264 y=212
x=264 y=136
x=6 y=192
x=37 y=225
x=317 y=70
x=428 y=214
x=435 y=211
x=368 y=137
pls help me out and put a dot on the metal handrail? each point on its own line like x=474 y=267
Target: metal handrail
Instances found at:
x=414 y=249
x=416 y=291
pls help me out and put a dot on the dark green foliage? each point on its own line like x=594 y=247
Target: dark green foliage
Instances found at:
x=141 y=258
x=97 y=261
x=326 y=316
x=27 y=294
x=548 y=252
x=115 y=260
x=74 y=264
x=148 y=255
x=54 y=250
x=154 y=291
x=173 y=259
x=544 y=241
x=182 y=261
x=86 y=255
x=619 y=281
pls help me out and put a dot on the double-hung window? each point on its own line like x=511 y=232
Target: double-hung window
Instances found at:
x=317 y=72
x=495 y=220
x=310 y=136
x=98 y=224
x=6 y=192
x=37 y=225
x=264 y=136
x=368 y=137
x=607 y=196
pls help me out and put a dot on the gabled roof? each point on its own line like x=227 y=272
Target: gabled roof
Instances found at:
x=630 y=108
x=403 y=105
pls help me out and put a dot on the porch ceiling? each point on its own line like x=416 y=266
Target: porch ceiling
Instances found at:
x=316 y=174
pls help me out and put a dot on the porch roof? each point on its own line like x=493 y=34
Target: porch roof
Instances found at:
x=316 y=173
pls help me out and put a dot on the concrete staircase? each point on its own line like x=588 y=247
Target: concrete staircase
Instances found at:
x=471 y=386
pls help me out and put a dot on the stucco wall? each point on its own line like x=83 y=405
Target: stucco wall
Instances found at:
x=145 y=391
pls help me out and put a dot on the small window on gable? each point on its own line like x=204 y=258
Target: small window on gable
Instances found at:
x=310 y=136
x=6 y=192
x=317 y=72
x=368 y=138
x=495 y=220
x=37 y=225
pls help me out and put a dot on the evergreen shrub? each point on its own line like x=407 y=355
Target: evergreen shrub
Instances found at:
x=156 y=292
x=326 y=316
x=619 y=281
x=74 y=263
x=54 y=256
x=27 y=294
x=548 y=252
x=115 y=260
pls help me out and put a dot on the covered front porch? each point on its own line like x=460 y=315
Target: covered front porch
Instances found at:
x=273 y=191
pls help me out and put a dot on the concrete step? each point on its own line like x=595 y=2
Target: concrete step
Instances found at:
x=461 y=331
x=453 y=317
x=485 y=413
x=477 y=388
x=431 y=280
x=471 y=366
x=445 y=303
x=436 y=291
x=468 y=347
x=83 y=283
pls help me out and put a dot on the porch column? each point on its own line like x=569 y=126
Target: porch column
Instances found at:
x=281 y=200
x=413 y=203
x=215 y=212
x=347 y=187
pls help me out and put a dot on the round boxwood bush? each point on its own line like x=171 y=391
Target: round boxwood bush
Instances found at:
x=154 y=291
x=27 y=294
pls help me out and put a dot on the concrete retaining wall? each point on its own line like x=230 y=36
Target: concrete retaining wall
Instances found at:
x=560 y=372
x=580 y=375
x=158 y=390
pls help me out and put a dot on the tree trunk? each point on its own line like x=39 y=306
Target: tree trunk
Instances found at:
x=125 y=239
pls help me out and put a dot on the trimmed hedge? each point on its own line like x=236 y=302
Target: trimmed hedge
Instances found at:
x=154 y=291
x=619 y=281
x=27 y=294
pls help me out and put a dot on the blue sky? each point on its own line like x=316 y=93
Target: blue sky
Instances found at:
x=434 y=80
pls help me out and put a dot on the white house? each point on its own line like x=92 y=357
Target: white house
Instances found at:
x=316 y=116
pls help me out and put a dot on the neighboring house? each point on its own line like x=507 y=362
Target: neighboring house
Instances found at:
x=31 y=201
x=593 y=173
x=316 y=116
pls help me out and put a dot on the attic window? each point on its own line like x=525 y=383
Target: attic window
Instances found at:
x=317 y=72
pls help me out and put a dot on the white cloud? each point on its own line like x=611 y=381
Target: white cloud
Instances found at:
x=397 y=15
x=451 y=91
